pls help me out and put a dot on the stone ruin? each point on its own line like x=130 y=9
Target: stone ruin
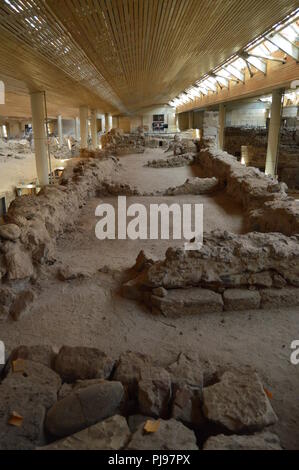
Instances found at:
x=230 y=272
x=33 y=223
x=80 y=398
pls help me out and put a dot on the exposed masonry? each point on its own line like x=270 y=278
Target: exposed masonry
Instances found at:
x=230 y=272
x=80 y=398
x=261 y=267
x=268 y=207
x=32 y=225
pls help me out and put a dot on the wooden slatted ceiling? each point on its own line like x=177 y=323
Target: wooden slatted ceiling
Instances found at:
x=138 y=53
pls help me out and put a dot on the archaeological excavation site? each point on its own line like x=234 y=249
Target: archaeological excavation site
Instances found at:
x=149 y=227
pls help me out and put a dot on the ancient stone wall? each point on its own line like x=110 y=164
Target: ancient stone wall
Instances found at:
x=33 y=223
x=255 y=139
x=267 y=206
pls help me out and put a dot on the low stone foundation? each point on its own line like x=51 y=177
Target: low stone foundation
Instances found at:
x=230 y=272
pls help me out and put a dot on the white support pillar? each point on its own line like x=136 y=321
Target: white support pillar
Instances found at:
x=59 y=130
x=93 y=125
x=273 y=134
x=40 y=137
x=77 y=128
x=221 y=130
x=108 y=122
x=83 y=126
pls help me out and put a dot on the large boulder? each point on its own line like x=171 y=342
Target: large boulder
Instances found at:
x=154 y=391
x=238 y=402
x=28 y=376
x=188 y=371
x=170 y=435
x=84 y=407
x=187 y=406
x=25 y=394
x=260 y=441
x=80 y=363
x=129 y=370
x=111 y=434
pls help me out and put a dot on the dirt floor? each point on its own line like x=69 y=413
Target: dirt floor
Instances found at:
x=92 y=313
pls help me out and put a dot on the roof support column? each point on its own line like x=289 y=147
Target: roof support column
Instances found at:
x=77 y=128
x=93 y=125
x=273 y=134
x=40 y=137
x=108 y=122
x=83 y=126
x=221 y=130
x=59 y=130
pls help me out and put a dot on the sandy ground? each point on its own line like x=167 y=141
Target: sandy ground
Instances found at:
x=92 y=313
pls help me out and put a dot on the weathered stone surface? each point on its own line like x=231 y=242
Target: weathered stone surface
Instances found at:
x=187 y=405
x=129 y=369
x=41 y=353
x=134 y=421
x=18 y=261
x=30 y=433
x=68 y=273
x=194 y=186
x=238 y=402
x=259 y=441
x=10 y=232
x=29 y=393
x=159 y=292
x=111 y=434
x=154 y=392
x=228 y=260
x=74 y=363
x=275 y=298
x=84 y=407
x=241 y=299
x=171 y=435
x=133 y=289
x=180 y=302
x=22 y=304
x=33 y=376
x=143 y=261
x=187 y=371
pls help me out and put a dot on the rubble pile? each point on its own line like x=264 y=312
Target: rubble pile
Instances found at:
x=14 y=149
x=176 y=161
x=115 y=142
x=69 y=148
x=181 y=146
x=80 y=398
x=230 y=272
x=268 y=207
x=32 y=225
